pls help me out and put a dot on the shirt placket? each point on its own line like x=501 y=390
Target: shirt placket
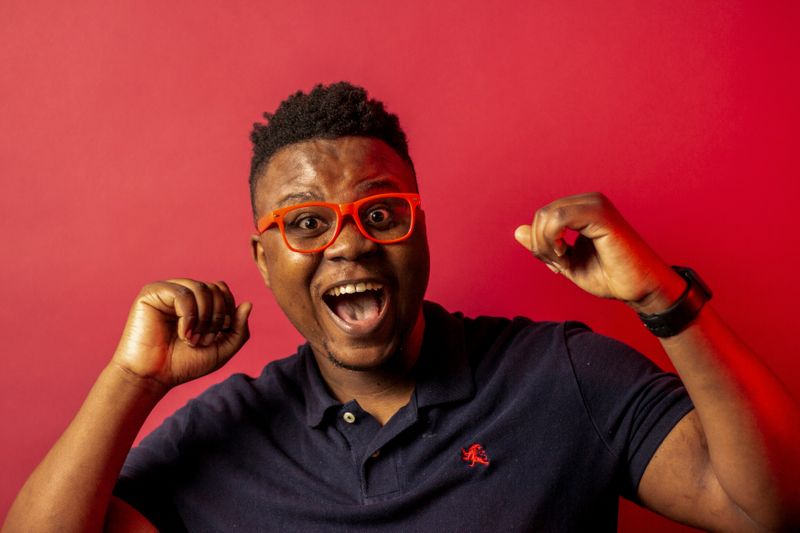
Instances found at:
x=371 y=450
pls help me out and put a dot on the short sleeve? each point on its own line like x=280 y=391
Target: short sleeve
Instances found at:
x=148 y=478
x=632 y=403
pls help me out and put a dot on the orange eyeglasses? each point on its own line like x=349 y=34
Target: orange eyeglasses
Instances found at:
x=313 y=226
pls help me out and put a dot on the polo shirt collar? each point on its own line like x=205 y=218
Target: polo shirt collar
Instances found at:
x=318 y=398
x=443 y=371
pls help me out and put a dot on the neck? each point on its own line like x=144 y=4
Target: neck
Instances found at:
x=381 y=391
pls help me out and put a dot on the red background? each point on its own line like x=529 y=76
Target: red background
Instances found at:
x=124 y=155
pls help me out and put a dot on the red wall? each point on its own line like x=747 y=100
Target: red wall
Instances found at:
x=124 y=159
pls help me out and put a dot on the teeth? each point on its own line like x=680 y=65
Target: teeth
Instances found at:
x=352 y=288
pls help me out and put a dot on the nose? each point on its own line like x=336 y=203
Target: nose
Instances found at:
x=350 y=244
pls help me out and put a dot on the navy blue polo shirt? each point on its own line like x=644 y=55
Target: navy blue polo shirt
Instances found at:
x=514 y=425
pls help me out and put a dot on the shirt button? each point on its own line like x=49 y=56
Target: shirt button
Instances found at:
x=349 y=417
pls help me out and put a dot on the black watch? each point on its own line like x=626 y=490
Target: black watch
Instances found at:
x=684 y=311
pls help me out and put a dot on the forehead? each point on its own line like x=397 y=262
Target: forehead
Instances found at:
x=334 y=170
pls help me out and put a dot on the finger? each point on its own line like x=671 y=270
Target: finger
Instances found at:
x=230 y=304
x=542 y=247
x=185 y=306
x=560 y=245
x=553 y=230
x=585 y=214
x=536 y=248
x=217 y=314
x=205 y=306
x=523 y=236
x=172 y=300
x=546 y=237
x=204 y=301
x=233 y=339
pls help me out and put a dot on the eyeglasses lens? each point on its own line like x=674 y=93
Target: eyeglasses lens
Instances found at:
x=386 y=219
x=313 y=227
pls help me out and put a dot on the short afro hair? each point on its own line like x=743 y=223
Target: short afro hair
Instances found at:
x=327 y=112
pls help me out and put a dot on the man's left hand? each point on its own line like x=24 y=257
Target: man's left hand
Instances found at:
x=608 y=258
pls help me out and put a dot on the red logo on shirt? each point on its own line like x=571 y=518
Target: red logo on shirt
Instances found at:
x=475 y=454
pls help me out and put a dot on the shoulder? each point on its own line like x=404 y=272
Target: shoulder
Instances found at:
x=517 y=335
x=224 y=410
x=571 y=340
x=240 y=396
x=521 y=345
x=497 y=346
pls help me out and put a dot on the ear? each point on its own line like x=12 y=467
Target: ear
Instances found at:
x=260 y=258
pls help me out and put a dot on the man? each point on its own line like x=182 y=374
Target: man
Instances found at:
x=398 y=415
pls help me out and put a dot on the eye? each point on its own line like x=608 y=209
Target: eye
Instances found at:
x=378 y=215
x=309 y=222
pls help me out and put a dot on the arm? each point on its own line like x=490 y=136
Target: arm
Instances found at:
x=732 y=463
x=176 y=331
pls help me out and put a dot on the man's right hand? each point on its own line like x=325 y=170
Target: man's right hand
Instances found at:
x=181 y=329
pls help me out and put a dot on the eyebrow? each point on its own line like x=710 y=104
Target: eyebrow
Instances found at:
x=298 y=198
x=385 y=184
x=381 y=184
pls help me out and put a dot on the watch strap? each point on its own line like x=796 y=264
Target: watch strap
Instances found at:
x=680 y=314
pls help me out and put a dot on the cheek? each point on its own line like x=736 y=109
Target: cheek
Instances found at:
x=289 y=275
x=414 y=263
x=290 y=281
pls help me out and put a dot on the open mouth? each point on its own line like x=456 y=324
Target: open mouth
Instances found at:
x=358 y=308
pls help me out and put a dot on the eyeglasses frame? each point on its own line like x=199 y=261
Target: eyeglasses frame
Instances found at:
x=275 y=217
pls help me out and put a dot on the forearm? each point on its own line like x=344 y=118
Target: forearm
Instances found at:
x=751 y=425
x=743 y=441
x=71 y=488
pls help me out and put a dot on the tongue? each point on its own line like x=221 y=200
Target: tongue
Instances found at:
x=356 y=307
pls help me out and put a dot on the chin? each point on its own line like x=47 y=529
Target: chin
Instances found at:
x=364 y=359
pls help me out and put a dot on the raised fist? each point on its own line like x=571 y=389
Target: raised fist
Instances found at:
x=181 y=329
x=608 y=258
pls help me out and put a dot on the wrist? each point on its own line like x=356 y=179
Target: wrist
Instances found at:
x=131 y=383
x=669 y=289
x=684 y=311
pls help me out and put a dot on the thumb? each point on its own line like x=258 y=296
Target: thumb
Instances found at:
x=239 y=332
x=240 y=326
x=523 y=236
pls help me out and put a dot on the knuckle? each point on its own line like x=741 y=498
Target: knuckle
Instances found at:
x=552 y=213
x=213 y=292
x=220 y=302
x=599 y=199
x=153 y=287
x=558 y=214
x=182 y=291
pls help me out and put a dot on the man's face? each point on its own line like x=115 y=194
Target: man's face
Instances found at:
x=358 y=331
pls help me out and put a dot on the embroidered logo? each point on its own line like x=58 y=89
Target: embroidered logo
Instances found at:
x=474 y=455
